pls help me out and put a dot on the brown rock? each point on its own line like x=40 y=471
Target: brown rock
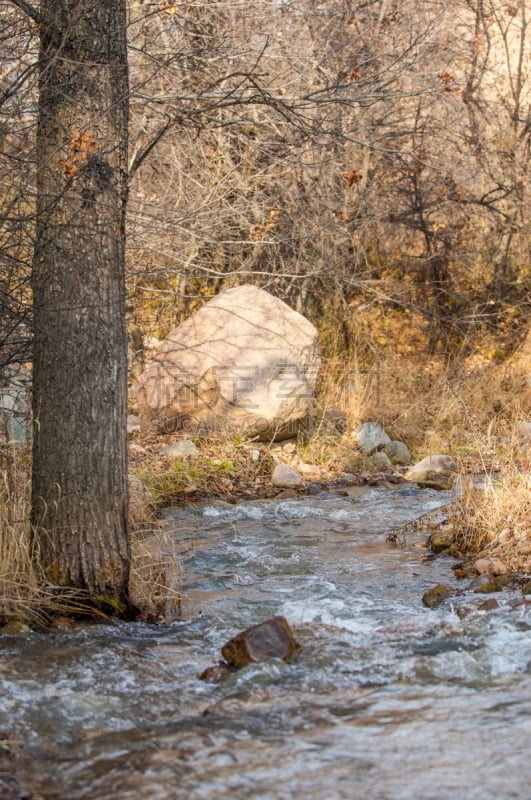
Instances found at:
x=287 y=494
x=440 y=541
x=285 y=477
x=270 y=639
x=436 y=595
x=486 y=583
x=489 y=605
x=217 y=673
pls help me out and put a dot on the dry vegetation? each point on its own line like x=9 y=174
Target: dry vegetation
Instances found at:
x=366 y=162
x=496 y=520
x=478 y=412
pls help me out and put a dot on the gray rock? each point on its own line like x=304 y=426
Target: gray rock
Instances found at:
x=15 y=415
x=486 y=583
x=370 y=437
x=381 y=459
x=316 y=487
x=184 y=447
x=397 y=452
x=133 y=423
x=285 y=477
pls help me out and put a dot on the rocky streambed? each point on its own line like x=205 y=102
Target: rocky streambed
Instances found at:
x=387 y=697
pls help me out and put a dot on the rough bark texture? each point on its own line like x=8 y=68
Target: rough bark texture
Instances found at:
x=79 y=487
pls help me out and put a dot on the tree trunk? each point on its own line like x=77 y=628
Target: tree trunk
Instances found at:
x=79 y=482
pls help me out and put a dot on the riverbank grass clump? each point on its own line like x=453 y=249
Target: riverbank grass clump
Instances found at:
x=495 y=519
x=19 y=579
x=27 y=598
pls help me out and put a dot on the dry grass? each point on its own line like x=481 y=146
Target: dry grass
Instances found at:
x=473 y=410
x=222 y=467
x=19 y=580
x=466 y=408
x=24 y=595
x=496 y=518
x=155 y=564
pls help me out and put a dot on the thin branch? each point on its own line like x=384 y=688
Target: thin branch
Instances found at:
x=140 y=157
x=31 y=11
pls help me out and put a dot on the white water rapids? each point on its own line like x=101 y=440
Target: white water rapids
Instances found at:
x=388 y=700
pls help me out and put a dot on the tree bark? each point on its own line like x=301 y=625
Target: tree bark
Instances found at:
x=79 y=481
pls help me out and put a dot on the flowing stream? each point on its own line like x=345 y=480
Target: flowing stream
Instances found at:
x=388 y=700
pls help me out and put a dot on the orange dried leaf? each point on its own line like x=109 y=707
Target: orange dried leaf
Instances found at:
x=352 y=177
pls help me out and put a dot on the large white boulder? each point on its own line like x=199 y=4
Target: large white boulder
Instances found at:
x=245 y=363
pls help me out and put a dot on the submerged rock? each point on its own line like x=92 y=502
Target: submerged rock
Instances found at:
x=217 y=673
x=440 y=542
x=489 y=605
x=270 y=639
x=436 y=595
x=486 y=583
x=287 y=494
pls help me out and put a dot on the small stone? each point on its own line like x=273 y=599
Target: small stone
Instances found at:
x=381 y=460
x=217 y=673
x=133 y=424
x=370 y=437
x=397 y=452
x=270 y=639
x=255 y=455
x=486 y=584
x=287 y=494
x=308 y=469
x=489 y=605
x=285 y=477
x=315 y=487
x=289 y=447
x=184 y=447
x=436 y=595
x=439 y=542
x=490 y=566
